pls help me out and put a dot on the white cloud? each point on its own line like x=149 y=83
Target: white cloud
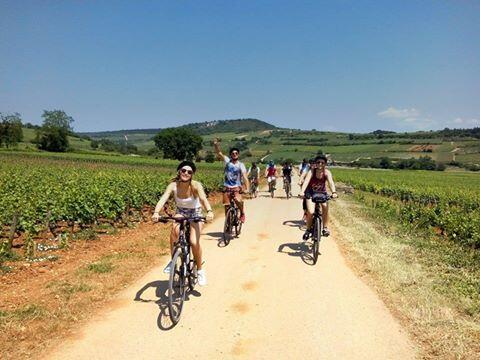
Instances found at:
x=393 y=113
x=465 y=122
x=411 y=118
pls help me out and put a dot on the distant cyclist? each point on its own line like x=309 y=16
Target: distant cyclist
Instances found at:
x=253 y=174
x=235 y=172
x=189 y=198
x=315 y=182
x=305 y=169
x=271 y=174
x=303 y=166
x=287 y=172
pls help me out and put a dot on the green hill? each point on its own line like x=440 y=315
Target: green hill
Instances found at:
x=260 y=140
x=226 y=126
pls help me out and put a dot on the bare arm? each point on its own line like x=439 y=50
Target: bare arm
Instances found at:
x=202 y=196
x=163 y=200
x=331 y=184
x=302 y=177
x=219 y=153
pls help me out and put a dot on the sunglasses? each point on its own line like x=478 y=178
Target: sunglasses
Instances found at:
x=183 y=171
x=320 y=163
x=234 y=152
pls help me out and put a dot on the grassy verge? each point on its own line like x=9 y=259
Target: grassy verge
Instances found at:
x=432 y=285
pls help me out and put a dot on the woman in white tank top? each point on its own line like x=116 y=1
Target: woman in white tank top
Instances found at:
x=189 y=197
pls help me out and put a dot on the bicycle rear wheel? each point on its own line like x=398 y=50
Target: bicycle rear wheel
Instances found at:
x=287 y=189
x=228 y=227
x=177 y=286
x=317 y=232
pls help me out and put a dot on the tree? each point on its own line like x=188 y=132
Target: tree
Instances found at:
x=11 y=132
x=385 y=163
x=57 y=125
x=210 y=157
x=57 y=119
x=178 y=143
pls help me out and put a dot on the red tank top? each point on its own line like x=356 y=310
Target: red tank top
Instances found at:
x=316 y=184
x=271 y=171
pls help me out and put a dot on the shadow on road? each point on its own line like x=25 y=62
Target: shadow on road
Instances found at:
x=218 y=236
x=302 y=250
x=294 y=223
x=161 y=292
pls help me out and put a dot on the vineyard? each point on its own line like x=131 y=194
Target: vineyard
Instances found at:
x=59 y=194
x=447 y=203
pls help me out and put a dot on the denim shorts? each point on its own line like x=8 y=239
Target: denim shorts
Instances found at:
x=197 y=212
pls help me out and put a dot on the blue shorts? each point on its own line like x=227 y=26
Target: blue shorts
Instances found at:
x=197 y=212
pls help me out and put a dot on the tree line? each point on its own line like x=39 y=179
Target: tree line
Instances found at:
x=51 y=136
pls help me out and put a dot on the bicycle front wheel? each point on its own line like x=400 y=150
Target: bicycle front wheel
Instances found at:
x=193 y=274
x=228 y=227
x=317 y=232
x=177 y=286
x=237 y=223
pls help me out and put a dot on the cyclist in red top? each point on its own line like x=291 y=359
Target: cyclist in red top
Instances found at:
x=271 y=174
x=315 y=182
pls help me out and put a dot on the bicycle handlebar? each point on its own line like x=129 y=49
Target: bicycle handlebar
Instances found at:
x=180 y=219
x=230 y=191
x=327 y=197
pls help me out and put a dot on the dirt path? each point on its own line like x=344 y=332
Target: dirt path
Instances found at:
x=262 y=301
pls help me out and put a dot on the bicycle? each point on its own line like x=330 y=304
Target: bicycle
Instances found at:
x=232 y=226
x=183 y=271
x=271 y=186
x=253 y=187
x=316 y=234
x=287 y=186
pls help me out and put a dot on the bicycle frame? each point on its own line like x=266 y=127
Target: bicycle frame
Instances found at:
x=231 y=219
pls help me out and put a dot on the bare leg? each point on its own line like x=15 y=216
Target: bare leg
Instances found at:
x=325 y=215
x=241 y=206
x=195 y=230
x=173 y=236
x=309 y=212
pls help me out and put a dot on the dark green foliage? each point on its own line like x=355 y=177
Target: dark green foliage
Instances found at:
x=178 y=143
x=53 y=135
x=210 y=157
x=11 y=132
x=114 y=146
x=422 y=163
x=385 y=163
x=54 y=139
x=245 y=154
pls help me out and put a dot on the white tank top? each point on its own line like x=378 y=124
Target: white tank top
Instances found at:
x=187 y=203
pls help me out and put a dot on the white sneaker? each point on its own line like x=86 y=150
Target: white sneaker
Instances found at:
x=202 y=278
x=167 y=268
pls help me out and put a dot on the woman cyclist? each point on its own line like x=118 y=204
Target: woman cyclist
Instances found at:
x=189 y=198
x=315 y=182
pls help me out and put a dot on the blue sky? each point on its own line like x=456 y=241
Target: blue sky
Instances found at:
x=351 y=66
